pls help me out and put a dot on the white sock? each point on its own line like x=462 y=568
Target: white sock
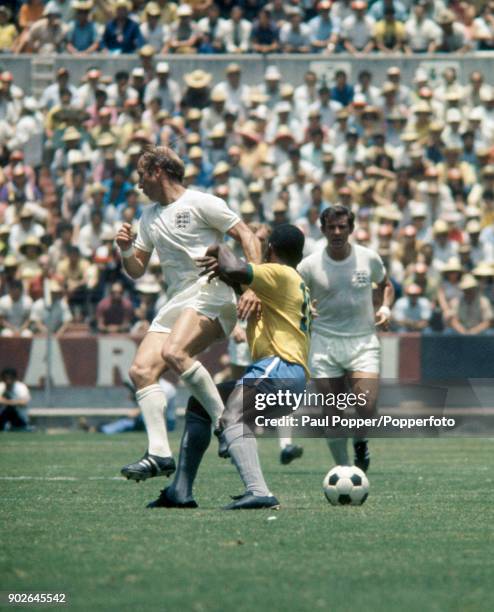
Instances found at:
x=152 y=402
x=284 y=442
x=202 y=387
x=338 y=448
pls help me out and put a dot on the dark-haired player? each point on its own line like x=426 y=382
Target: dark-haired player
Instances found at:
x=180 y=224
x=345 y=349
x=279 y=343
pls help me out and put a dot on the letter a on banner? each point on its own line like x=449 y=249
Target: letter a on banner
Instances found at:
x=36 y=367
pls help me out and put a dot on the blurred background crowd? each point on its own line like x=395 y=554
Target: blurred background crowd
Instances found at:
x=243 y=26
x=413 y=160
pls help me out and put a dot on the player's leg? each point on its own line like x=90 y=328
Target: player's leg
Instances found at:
x=364 y=383
x=288 y=450
x=145 y=371
x=329 y=378
x=242 y=448
x=336 y=440
x=191 y=334
x=195 y=441
x=363 y=379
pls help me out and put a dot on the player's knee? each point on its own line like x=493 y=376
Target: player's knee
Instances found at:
x=229 y=418
x=141 y=375
x=195 y=407
x=173 y=356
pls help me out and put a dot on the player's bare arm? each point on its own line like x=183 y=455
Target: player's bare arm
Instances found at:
x=248 y=303
x=384 y=299
x=221 y=262
x=135 y=260
x=250 y=243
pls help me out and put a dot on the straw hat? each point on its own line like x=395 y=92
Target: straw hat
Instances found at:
x=31 y=241
x=220 y=168
x=247 y=208
x=71 y=135
x=198 y=79
x=468 y=282
x=452 y=265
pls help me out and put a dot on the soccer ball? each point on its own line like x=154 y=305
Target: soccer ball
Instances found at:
x=346 y=485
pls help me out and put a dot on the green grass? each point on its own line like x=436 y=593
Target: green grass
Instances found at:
x=422 y=541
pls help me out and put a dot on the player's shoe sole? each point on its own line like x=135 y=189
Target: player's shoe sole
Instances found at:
x=164 y=501
x=254 y=502
x=149 y=466
x=290 y=453
x=361 y=457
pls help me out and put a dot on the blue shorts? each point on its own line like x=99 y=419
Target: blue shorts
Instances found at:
x=275 y=371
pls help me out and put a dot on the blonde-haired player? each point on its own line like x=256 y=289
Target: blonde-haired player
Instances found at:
x=180 y=224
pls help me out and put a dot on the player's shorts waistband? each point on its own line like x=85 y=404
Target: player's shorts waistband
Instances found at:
x=274 y=367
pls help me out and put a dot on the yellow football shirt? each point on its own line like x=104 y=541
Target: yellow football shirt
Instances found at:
x=284 y=327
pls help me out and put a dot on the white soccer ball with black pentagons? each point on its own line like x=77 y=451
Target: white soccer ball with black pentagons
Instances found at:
x=346 y=485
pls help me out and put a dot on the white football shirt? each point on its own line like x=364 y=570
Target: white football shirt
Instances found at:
x=343 y=290
x=181 y=232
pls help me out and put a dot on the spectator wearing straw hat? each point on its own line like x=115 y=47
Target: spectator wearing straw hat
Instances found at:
x=30 y=250
x=120 y=91
x=51 y=94
x=412 y=312
x=197 y=92
x=237 y=93
x=295 y=35
x=153 y=31
x=184 y=34
x=237 y=31
x=82 y=37
x=15 y=311
x=47 y=35
x=357 y=29
x=422 y=32
x=452 y=36
x=471 y=312
x=54 y=317
x=164 y=88
x=24 y=228
x=17 y=191
x=76 y=275
x=323 y=29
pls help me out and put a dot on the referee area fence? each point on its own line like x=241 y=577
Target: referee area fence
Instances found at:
x=26 y=67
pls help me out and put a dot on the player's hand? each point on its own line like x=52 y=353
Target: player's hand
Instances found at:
x=124 y=237
x=239 y=335
x=383 y=316
x=209 y=263
x=248 y=305
x=313 y=309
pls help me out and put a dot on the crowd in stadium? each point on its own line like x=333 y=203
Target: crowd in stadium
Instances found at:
x=204 y=26
x=413 y=160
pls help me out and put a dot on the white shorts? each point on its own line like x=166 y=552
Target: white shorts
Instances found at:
x=215 y=300
x=333 y=356
x=239 y=353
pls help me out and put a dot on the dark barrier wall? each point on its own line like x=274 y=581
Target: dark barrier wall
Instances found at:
x=104 y=360
x=456 y=357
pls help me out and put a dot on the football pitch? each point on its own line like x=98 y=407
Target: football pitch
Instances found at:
x=422 y=541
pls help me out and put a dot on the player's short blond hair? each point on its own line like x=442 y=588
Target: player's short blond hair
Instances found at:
x=164 y=158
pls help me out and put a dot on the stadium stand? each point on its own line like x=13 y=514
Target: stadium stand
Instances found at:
x=385 y=107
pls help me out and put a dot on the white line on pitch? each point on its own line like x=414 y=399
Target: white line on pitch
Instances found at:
x=61 y=478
